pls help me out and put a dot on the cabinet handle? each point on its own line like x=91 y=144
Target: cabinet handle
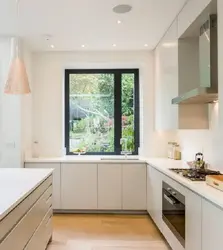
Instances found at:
x=169 y=199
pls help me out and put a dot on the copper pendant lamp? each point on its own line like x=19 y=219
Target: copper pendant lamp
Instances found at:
x=17 y=82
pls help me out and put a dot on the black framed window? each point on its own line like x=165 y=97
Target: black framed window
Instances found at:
x=101 y=111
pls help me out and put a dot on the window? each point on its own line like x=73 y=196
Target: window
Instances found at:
x=101 y=111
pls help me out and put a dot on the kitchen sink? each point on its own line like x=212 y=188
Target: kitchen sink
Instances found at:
x=119 y=158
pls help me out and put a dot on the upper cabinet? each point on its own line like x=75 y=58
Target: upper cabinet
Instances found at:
x=189 y=14
x=166 y=80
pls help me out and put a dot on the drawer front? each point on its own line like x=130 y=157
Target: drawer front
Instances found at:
x=42 y=235
x=23 y=231
x=15 y=215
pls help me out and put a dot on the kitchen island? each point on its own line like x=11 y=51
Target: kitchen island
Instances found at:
x=25 y=208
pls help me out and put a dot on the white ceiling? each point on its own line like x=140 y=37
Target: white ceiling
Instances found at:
x=72 y=23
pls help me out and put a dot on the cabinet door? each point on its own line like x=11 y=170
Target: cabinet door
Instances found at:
x=134 y=186
x=154 y=195
x=212 y=226
x=110 y=186
x=56 y=180
x=166 y=81
x=189 y=13
x=79 y=186
x=193 y=221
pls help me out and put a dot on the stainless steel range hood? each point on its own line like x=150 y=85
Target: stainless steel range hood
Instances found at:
x=207 y=91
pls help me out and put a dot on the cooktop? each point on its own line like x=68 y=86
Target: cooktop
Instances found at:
x=195 y=174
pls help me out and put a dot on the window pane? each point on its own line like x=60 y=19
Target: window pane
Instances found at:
x=128 y=113
x=91 y=112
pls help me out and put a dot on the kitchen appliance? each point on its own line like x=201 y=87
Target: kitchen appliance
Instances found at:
x=173 y=211
x=215 y=181
x=207 y=89
x=195 y=174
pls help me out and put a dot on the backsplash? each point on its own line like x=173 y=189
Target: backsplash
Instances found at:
x=209 y=142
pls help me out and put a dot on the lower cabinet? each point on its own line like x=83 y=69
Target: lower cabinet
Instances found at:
x=110 y=186
x=212 y=226
x=154 y=195
x=56 y=180
x=134 y=186
x=79 y=186
x=193 y=221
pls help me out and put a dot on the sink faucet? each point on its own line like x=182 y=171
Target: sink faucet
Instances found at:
x=125 y=151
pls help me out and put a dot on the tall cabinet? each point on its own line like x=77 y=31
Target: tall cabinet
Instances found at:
x=166 y=80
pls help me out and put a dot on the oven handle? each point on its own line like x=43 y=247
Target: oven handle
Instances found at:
x=169 y=199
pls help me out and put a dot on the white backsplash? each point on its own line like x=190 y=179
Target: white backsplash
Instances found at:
x=209 y=142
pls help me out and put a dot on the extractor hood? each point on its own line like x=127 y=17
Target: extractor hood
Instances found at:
x=207 y=91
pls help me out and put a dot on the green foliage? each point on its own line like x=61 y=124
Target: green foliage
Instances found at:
x=93 y=94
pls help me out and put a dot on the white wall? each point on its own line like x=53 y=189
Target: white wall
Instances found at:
x=48 y=85
x=193 y=141
x=10 y=121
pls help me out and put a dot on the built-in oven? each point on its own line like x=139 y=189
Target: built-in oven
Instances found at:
x=173 y=207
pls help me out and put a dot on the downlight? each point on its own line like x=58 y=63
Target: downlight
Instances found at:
x=122 y=8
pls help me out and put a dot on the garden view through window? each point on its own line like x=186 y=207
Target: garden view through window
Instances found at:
x=102 y=111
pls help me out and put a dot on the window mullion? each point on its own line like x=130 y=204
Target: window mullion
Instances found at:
x=118 y=113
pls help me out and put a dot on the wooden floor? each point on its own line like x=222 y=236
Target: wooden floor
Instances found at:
x=105 y=232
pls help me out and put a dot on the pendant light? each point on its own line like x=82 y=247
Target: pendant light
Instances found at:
x=17 y=82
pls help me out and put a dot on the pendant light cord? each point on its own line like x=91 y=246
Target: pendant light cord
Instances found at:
x=17 y=38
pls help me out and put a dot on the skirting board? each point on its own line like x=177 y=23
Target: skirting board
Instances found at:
x=74 y=211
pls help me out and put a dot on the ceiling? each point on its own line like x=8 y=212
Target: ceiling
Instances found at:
x=92 y=23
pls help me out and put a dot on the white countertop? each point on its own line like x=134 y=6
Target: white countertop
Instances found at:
x=17 y=184
x=88 y=159
x=199 y=187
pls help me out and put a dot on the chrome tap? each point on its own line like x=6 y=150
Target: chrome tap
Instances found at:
x=125 y=152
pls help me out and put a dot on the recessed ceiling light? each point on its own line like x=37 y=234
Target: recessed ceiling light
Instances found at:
x=122 y=8
x=169 y=45
x=52 y=46
x=146 y=45
x=119 y=22
x=83 y=46
x=114 y=45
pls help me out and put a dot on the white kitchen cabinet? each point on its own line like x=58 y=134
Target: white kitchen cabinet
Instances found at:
x=212 y=226
x=110 y=186
x=56 y=180
x=189 y=13
x=166 y=80
x=154 y=195
x=193 y=203
x=134 y=186
x=79 y=186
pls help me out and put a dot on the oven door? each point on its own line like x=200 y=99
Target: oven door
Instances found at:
x=174 y=212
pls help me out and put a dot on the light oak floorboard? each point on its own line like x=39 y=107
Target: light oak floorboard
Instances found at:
x=105 y=232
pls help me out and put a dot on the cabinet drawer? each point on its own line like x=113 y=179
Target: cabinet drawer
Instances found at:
x=15 y=215
x=42 y=235
x=23 y=231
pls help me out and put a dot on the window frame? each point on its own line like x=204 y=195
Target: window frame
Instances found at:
x=117 y=107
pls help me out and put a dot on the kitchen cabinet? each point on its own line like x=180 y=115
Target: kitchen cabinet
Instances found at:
x=154 y=195
x=166 y=80
x=110 y=186
x=78 y=186
x=193 y=203
x=212 y=226
x=134 y=186
x=189 y=13
x=56 y=180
